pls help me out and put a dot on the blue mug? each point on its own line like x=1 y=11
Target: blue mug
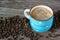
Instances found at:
x=39 y=25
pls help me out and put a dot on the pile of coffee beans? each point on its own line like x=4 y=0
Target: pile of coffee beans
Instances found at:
x=18 y=28
x=56 y=23
x=15 y=26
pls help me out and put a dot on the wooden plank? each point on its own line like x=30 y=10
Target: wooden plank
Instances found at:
x=8 y=12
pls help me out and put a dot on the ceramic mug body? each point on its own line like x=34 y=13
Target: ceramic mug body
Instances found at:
x=39 y=25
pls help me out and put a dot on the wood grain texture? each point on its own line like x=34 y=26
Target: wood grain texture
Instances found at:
x=23 y=4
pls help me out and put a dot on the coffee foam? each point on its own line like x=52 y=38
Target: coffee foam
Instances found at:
x=40 y=16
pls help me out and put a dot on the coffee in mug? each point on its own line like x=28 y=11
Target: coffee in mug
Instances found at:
x=40 y=13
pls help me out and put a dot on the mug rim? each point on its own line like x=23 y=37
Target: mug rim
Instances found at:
x=44 y=6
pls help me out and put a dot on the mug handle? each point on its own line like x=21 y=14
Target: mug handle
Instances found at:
x=26 y=13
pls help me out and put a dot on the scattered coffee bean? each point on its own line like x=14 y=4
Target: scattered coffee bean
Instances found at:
x=47 y=36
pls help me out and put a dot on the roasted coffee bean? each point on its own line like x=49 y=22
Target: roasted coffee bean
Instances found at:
x=10 y=38
x=41 y=35
x=47 y=36
x=15 y=37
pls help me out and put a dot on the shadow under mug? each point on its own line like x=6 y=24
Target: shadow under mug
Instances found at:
x=39 y=25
